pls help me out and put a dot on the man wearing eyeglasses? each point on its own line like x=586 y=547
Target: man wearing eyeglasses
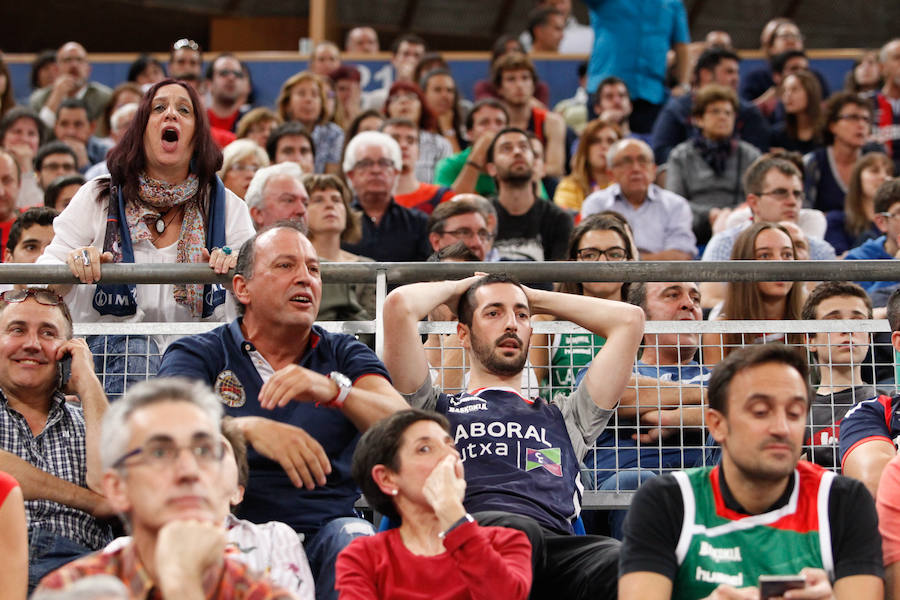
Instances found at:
x=72 y=82
x=50 y=446
x=227 y=83
x=461 y=221
x=661 y=220
x=390 y=232
x=774 y=190
x=162 y=455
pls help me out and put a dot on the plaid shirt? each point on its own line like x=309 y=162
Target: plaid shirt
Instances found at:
x=59 y=450
x=233 y=582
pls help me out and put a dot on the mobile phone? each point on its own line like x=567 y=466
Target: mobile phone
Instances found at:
x=64 y=370
x=774 y=586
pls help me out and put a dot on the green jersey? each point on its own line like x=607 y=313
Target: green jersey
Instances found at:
x=720 y=546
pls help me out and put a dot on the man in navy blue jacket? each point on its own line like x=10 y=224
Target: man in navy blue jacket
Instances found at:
x=299 y=394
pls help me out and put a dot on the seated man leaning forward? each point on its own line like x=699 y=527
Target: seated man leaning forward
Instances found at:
x=299 y=394
x=521 y=456
x=174 y=502
x=49 y=445
x=712 y=532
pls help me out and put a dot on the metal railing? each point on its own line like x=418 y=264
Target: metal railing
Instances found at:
x=623 y=428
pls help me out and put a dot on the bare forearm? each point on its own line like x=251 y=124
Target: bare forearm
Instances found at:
x=682 y=63
x=603 y=317
x=404 y=355
x=94 y=405
x=40 y=485
x=643 y=394
x=467 y=179
x=370 y=401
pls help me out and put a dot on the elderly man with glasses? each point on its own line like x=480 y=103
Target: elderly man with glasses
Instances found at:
x=661 y=220
x=173 y=501
x=49 y=445
x=774 y=188
x=390 y=232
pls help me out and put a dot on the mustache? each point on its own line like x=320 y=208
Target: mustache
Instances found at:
x=508 y=336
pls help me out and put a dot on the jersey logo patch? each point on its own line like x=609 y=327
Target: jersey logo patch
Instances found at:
x=548 y=458
x=230 y=389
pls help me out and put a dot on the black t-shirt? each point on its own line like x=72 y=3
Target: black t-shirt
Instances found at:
x=825 y=416
x=540 y=234
x=654 y=521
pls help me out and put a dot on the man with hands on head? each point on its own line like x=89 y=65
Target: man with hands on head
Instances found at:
x=521 y=456
x=299 y=394
x=49 y=445
x=712 y=532
x=174 y=502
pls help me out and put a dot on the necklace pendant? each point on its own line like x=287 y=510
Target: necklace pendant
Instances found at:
x=160 y=225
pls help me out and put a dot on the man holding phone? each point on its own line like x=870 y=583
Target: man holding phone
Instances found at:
x=714 y=532
x=49 y=445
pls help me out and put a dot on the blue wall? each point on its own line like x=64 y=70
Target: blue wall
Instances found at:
x=560 y=75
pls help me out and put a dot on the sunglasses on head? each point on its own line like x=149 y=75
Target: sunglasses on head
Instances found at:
x=45 y=297
x=186 y=43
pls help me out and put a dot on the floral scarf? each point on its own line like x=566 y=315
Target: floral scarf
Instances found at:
x=156 y=197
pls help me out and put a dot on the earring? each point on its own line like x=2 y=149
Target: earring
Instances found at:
x=394 y=492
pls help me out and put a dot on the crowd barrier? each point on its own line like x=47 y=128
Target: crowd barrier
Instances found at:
x=684 y=446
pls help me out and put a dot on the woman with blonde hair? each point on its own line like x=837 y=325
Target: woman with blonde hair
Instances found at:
x=257 y=124
x=303 y=98
x=241 y=159
x=589 y=169
x=756 y=300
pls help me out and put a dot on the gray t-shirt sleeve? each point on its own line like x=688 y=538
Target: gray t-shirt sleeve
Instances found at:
x=424 y=398
x=584 y=419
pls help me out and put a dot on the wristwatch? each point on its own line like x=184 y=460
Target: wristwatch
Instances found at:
x=344 y=386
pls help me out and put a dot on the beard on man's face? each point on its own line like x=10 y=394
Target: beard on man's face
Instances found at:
x=498 y=363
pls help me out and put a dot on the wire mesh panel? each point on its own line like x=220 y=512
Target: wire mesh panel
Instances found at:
x=659 y=425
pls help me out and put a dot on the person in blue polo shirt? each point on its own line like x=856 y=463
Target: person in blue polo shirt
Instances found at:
x=521 y=455
x=299 y=394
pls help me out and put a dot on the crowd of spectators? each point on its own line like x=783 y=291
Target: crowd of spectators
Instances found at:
x=665 y=151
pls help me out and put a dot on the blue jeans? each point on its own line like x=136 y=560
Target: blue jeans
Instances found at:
x=123 y=360
x=322 y=550
x=624 y=480
x=47 y=551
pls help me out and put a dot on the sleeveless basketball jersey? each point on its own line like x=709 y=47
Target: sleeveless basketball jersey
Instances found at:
x=571 y=352
x=720 y=546
x=517 y=455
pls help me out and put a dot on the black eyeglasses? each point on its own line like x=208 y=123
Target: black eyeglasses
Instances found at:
x=45 y=297
x=616 y=253
x=186 y=43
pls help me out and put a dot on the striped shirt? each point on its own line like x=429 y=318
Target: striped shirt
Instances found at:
x=59 y=450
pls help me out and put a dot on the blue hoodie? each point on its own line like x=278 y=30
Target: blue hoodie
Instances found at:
x=871 y=250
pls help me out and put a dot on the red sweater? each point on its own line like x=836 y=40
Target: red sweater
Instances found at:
x=480 y=563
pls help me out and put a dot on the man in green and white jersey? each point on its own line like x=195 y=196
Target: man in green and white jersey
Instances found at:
x=711 y=532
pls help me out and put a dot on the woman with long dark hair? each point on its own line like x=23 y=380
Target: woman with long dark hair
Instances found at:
x=756 y=300
x=162 y=203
